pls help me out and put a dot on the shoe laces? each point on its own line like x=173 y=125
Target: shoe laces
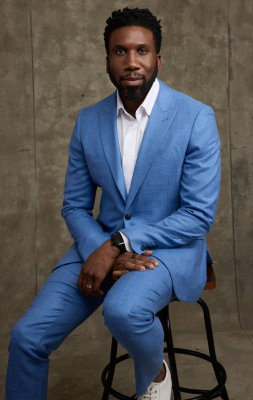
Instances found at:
x=151 y=393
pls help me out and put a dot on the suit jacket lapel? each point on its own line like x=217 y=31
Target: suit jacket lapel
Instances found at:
x=109 y=138
x=160 y=119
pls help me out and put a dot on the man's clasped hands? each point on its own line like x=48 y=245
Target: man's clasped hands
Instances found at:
x=108 y=258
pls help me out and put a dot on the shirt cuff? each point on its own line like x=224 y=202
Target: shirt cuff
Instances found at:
x=126 y=242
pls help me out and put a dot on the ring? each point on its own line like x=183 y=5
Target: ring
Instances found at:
x=133 y=254
x=89 y=286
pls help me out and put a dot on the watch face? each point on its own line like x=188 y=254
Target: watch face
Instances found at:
x=118 y=241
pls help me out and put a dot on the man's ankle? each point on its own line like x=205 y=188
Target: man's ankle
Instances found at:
x=161 y=376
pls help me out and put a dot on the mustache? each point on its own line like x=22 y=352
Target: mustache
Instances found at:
x=132 y=76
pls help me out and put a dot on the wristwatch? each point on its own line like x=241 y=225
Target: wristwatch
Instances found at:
x=118 y=241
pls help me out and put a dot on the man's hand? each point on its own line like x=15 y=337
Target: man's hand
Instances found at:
x=132 y=262
x=95 y=269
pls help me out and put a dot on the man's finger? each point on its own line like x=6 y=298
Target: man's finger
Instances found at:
x=80 y=281
x=135 y=266
x=131 y=266
x=147 y=253
x=146 y=259
x=117 y=274
x=89 y=285
x=96 y=291
x=146 y=263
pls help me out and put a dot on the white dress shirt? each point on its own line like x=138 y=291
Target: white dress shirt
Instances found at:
x=130 y=134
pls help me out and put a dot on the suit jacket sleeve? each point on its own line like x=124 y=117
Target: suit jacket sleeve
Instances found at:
x=79 y=197
x=199 y=192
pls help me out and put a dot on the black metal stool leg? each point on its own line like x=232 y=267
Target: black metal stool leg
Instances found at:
x=165 y=319
x=111 y=371
x=210 y=340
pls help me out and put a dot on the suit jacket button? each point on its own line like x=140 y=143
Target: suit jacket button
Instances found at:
x=142 y=247
x=128 y=216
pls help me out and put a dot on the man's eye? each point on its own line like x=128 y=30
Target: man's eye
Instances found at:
x=120 y=52
x=142 y=50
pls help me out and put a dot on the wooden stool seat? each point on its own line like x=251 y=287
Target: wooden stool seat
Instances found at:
x=211 y=280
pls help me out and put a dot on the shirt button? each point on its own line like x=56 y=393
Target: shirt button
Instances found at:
x=128 y=216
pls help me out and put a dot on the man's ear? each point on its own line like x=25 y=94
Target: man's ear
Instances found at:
x=107 y=61
x=159 y=61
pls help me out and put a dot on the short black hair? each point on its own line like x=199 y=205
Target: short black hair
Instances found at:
x=133 y=17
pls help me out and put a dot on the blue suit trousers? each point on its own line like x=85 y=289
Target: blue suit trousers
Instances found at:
x=130 y=306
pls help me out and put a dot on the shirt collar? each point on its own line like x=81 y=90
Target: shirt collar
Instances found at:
x=148 y=102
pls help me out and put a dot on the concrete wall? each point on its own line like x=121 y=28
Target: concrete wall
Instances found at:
x=52 y=64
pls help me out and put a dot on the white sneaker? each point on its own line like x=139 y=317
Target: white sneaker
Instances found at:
x=159 y=390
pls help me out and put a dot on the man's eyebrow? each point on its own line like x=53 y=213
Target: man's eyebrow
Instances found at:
x=121 y=46
x=118 y=46
x=144 y=45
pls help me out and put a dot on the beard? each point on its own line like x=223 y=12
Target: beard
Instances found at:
x=137 y=92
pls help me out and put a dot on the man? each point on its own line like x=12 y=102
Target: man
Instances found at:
x=155 y=154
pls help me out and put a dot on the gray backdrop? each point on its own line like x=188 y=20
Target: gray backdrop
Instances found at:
x=52 y=64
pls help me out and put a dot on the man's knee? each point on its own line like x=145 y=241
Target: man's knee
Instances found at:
x=125 y=317
x=27 y=337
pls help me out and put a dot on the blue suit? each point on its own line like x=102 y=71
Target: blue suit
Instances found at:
x=171 y=206
x=173 y=194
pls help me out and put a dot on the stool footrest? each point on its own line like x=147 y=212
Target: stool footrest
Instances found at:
x=204 y=393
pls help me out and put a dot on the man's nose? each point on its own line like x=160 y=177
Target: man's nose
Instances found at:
x=132 y=61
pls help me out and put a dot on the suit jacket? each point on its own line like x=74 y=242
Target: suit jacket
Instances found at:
x=174 y=191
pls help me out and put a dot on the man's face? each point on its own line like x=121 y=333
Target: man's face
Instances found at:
x=132 y=63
